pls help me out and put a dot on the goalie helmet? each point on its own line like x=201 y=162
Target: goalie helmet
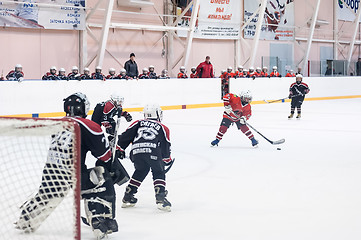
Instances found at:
x=77 y=105
x=246 y=96
x=153 y=111
x=117 y=99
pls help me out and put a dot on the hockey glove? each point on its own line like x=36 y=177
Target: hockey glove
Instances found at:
x=119 y=154
x=118 y=173
x=242 y=120
x=127 y=116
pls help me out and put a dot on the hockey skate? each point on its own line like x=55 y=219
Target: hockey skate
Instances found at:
x=254 y=142
x=162 y=203
x=112 y=225
x=290 y=116
x=298 y=116
x=215 y=142
x=100 y=228
x=129 y=200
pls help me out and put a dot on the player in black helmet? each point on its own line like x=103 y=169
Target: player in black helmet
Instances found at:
x=97 y=183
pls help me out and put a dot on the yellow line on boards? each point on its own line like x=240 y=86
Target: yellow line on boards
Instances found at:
x=176 y=107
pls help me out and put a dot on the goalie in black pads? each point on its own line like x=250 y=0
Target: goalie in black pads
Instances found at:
x=150 y=151
x=97 y=185
x=298 y=90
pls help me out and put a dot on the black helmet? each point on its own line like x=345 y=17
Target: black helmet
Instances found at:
x=76 y=104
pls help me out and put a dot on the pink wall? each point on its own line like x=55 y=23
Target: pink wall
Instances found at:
x=37 y=50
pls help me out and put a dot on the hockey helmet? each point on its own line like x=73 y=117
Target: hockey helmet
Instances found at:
x=164 y=71
x=246 y=96
x=98 y=68
x=61 y=70
x=18 y=66
x=274 y=68
x=86 y=69
x=145 y=70
x=123 y=70
x=76 y=104
x=299 y=78
x=251 y=69
x=230 y=68
x=151 y=66
x=153 y=111
x=53 y=68
x=240 y=67
x=75 y=68
x=117 y=99
x=264 y=67
x=111 y=70
x=258 y=69
x=193 y=68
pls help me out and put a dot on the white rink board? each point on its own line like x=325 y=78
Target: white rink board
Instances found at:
x=46 y=96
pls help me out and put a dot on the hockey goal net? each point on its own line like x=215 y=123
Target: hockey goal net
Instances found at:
x=40 y=178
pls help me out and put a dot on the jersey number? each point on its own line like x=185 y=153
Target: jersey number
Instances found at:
x=146 y=133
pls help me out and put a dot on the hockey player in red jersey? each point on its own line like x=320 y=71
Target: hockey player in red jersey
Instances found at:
x=239 y=72
x=182 y=72
x=238 y=111
x=17 y=74
x=193 y=73
x=264 y=72
x=275 y=73
x=290 y=74
x=298 y=90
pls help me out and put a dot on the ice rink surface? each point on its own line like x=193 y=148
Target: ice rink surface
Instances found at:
x=310 y=189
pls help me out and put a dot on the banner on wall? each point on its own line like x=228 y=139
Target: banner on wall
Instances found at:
x=347 y=10
x=43 y=14
x=217 y=19
x=277 y=23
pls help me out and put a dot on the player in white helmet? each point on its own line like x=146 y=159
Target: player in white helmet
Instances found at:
x=264 y=72
x=144 y=74
x=86 y=74
x=193 y=73
x=238 y=111
x=274 y=72
x=164 y=74
x=182 y=72
x=74 y=75
x=112 y=74
x=51 y=75
x=62 y=75
x=105 y=112
x=16 y=74
x=123 y=74
x=239 y=72
x=298 y=90
x=152 y=74
x=98 y=74
x=150 y=152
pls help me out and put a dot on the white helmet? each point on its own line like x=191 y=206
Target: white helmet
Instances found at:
x=229 y=68
x=153 y=111
x=274 y=68
x=61 y=70
x=123 y=70
x=18 y=66
x=251 y=68
x=245 y=70
x=74 y=68
x=164 y=71
x=117 y=99
x=264 y=67
x=145 y=70
x=223 y=71
x=151 y=66
x=240 y=67
x=98 y=68
x=182 y=67
x=111 y=70
x=246 y=96
x=53 y=68
x=193 y=68
x=299 y=76
x=258 y=68
x=86 y=69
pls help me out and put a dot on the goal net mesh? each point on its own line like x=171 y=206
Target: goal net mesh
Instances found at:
x=40 y=179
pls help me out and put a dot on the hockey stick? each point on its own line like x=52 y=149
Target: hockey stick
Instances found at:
x=270 y=141
x=280 y=99
x=169 y=166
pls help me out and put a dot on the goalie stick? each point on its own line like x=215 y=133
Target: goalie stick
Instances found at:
x=270 y=141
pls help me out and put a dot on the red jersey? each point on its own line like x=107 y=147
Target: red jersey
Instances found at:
x=238 y=109
x=205 y=70
x=274 y=74
x=193 y=75
x=253 y=74
x=182 y=75
x=290 y=75
x=264 y=74
x=228 y=75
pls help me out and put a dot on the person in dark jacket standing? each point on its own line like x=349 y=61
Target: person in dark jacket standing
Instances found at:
x=205 y=69
x=131 y=67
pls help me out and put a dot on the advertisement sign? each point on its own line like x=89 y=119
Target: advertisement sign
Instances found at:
x=217 y=19
x=278 y=20
x=44 y=14
x=347 y=10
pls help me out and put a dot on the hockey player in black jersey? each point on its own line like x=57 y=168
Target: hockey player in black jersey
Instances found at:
x=105 y=112
x=150 y=151
x=298 y=90
x=97 y=183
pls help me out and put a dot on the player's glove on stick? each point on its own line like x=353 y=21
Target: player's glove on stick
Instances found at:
x=127 y=116
x=242 y=120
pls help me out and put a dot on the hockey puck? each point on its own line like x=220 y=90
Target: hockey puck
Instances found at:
x=278 y=148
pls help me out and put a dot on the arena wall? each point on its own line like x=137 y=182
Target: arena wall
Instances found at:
x=44 y=98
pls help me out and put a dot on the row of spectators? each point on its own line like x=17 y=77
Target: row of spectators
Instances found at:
x=252 y=73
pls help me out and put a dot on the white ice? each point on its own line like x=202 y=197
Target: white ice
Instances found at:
x=310 y=189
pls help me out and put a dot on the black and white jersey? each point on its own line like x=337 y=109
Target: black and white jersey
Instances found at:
x=299 y=89
x=104 y=114
x=149 y=138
